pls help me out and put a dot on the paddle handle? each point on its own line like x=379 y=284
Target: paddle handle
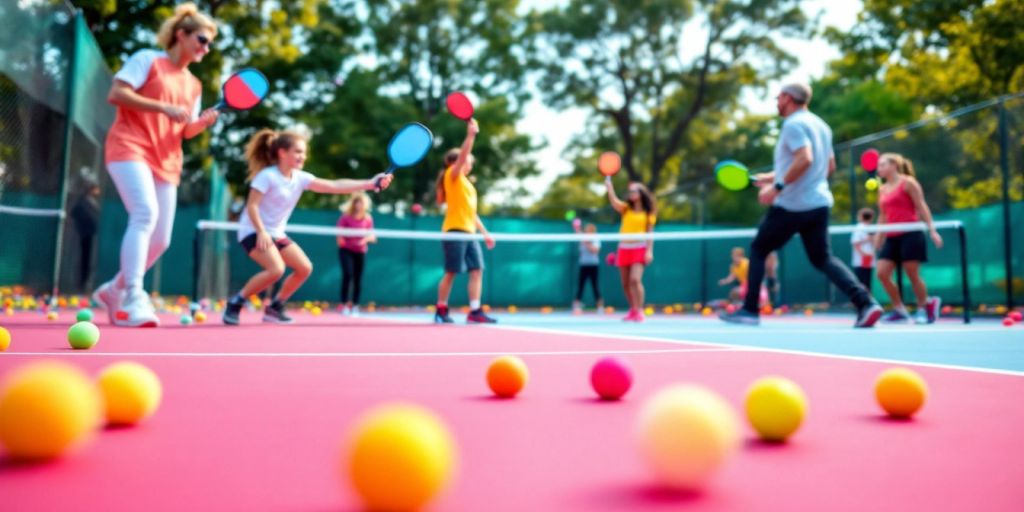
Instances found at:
x=221 y=106
x=376 y=183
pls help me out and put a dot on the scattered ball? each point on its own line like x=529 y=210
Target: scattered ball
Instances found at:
x=871 y=184
x=131 y=391
x=546 y=310
x=1017 y=316
x=809 y=312
x=46 y=409
x=316 y=311
x=775 y=408
x=766 y=309
x=83 y=335
x=185 y=319
x=901 y=392
x=667 y=310
x=400 y=457
x=1008 y=322
x=200 y=317
x=609 y=310
x=513 y=309
x=729 y=308
x=417 y=208
x=707 y=311
x=84 y=315
x=5 y=339
x=611 y=378
x=686 y=433
x=507 y=376
x=9 y=311
x=51 y=316
x=649 y=311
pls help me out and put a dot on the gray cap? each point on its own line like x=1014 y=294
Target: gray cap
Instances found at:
x=800 y=92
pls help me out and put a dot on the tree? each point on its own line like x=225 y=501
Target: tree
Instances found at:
x=624 y=62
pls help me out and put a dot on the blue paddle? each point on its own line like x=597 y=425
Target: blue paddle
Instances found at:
x=408 y=147
x=243 y=90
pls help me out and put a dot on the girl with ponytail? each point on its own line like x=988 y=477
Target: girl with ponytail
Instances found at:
x=157 y=100
x=276 y=182
x=901 y=199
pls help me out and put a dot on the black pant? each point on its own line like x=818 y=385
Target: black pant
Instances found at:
x=85 y=263
x=351 y=274
x=864 y=276
x=588 y=273
x=777 y=227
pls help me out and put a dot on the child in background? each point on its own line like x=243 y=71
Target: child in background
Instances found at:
x=352 y=250
x=863 y=248
x=590 y=263
x=737 y=274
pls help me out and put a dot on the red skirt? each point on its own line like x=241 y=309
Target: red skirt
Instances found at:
x=628 y=257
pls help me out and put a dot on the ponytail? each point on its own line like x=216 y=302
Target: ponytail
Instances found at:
x=186 y=17
x=903 y=164
x=450 y=158
x=261 y=151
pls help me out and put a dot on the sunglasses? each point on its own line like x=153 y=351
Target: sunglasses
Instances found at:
x=203 y=40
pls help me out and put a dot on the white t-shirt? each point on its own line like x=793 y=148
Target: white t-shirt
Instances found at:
x=136 y=69
x=280 y=195
x=590 y=258
x=860 y=261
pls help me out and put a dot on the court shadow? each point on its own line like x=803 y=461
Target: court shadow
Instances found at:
x=594 y=400
x=9 y=465
x=488 y=398
x=886 y=419
x=639 y=496
x=756 y=444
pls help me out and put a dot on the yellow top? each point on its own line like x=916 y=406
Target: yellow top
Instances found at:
x=635 y=222
x=740 y=270
x=460 y=194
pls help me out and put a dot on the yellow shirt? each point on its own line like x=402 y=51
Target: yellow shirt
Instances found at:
x=740 y=270
x=635 y=222
x=460 y=194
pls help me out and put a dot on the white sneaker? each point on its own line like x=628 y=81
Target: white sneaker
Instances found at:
x=108 y=297
x=355 y=311
x=136 y=311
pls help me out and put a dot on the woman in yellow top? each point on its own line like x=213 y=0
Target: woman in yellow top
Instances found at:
x=638 y=216
x=454 y=187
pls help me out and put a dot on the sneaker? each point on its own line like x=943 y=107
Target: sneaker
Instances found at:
x=740 y=317
x=577 y=308
x=108 y=297
x=639 y=316
x=275 y=314
x=232 y=310
x=933 y=308
x=477 y=316
x=868 y=316
x=631 y=316
x=135 y=310
x=920 y=317
x=441 y=316
x=354 y=311
x=896 y=316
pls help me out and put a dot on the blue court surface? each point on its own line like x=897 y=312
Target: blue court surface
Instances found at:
x=984 y=344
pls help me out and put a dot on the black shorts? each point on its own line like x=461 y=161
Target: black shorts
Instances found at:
x=462 y=255
x=905 y=247
x=249 y=243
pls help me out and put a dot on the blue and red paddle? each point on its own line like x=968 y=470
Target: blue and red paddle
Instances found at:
x=243 y=90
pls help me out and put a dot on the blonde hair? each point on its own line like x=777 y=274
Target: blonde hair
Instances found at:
x=903 y=164
x=450 y=158
x=349 y=208
x=186 y=17
x=261 y=151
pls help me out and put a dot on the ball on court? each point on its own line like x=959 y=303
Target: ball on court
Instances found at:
x=871 y=184
x=507 y=376
x=51 y=316
x=47 y=409
x=686 y=434
x=706 y=311
x=200 y=317
x=809 y=312
x=649 y=311
x=5 y=339
x=185 y=319
x=131 y=391
x=316 y=311
x=775 y=407
x=400 y=457
x=513 y=309
x=84 y=315
x=611 y=378
x=730 y=309
x=1008 y=322
x=83 y=335
x=1017 y=316
x=901 y=392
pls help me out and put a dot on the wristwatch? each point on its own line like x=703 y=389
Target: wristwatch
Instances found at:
x=779 y=186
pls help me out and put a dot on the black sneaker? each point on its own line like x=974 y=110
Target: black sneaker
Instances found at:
x=274 y=314
x=868 y=316
x=441 y=316
x=231 y=312
x=477 y=316
x=741 y=317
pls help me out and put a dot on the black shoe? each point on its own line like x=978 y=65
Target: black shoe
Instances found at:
x=477 y=316
x=274 y=314
x=441 y=316
x=868 y=316
x=741 y=317
x=231 y=312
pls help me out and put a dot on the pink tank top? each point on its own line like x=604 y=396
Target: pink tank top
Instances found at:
x=897 y=206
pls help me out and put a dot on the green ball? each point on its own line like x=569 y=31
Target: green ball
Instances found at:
x=84 y=315
x=570 y=215
x=186 y=319
x=83 y=335
x=871 y=184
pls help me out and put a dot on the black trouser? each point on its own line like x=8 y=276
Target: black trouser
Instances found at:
x=777 y=227
x=864 y=276
x=85 y=263
x=351 y=274
x=588 y=273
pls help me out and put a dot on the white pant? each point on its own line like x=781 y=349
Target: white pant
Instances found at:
x=151 y=204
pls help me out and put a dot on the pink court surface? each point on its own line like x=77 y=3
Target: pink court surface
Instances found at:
x=254 y=417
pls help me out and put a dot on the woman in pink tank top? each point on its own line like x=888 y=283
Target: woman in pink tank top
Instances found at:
x=901 y=199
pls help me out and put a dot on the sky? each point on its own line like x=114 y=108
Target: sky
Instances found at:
x=546 y=124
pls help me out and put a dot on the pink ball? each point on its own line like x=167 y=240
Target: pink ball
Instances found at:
x=611 y=378
x=417 y=208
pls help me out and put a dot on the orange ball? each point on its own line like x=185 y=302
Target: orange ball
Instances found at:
x=507 y=376
x=901 y=392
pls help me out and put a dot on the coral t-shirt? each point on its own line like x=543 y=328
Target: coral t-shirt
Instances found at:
x=152 y=137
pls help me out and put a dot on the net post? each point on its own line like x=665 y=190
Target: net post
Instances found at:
x=197 y=253
x=965 y=287
x=1004 y=165
x=77 y=22
x=853 y=189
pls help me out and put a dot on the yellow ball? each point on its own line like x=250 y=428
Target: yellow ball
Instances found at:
x=200 y=317
x=901 y=392
x=871 y=184
x=512 y=309
x=649 y=311
x=316 y=311
x=51 y=316
x=46 y=409
x=686 y=434
x=5 y=339
x=776 y=408
x=400 y=457
x=706 y=311
x=132 y=392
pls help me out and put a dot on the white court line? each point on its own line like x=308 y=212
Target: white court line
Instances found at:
x=378 y=354
x=768 y=329
x=753 y=330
